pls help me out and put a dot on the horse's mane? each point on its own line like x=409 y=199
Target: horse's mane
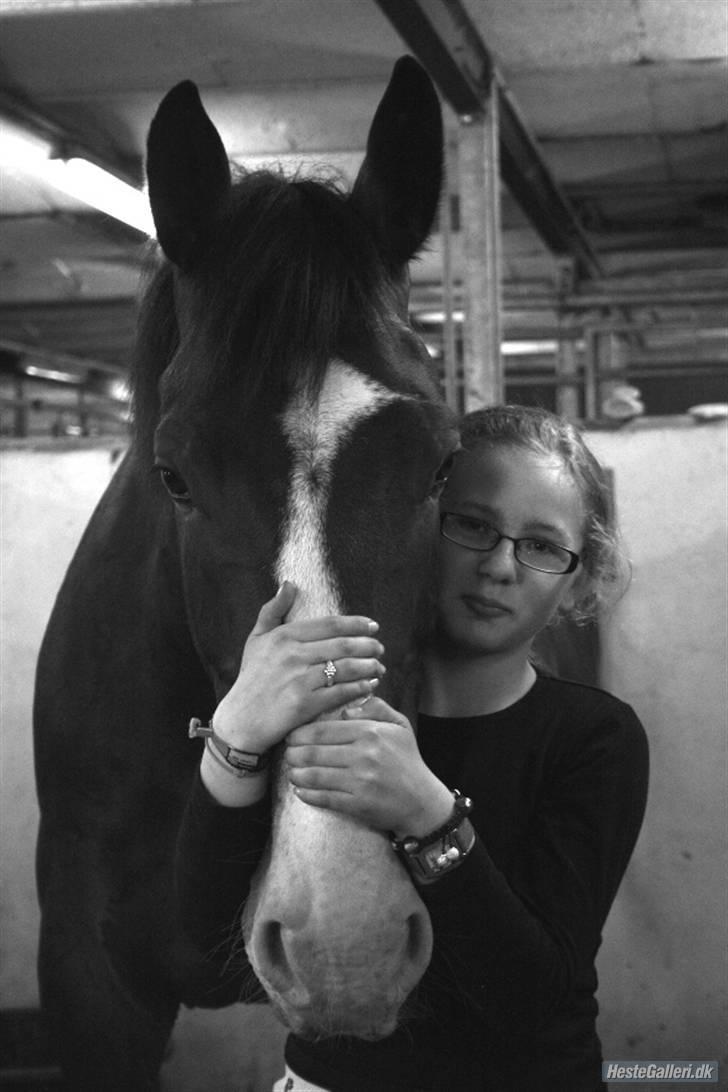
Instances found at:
x=289 y=272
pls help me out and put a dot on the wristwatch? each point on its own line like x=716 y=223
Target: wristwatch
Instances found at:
x=432 y=856
x=241 y=763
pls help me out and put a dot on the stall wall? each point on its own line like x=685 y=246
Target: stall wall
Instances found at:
x=663 y=964
x=46 y=498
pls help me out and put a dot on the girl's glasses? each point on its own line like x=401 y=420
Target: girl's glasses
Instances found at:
x=534 y=553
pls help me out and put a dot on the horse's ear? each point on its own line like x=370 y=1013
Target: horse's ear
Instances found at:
x=398 y=187
x=188 y=173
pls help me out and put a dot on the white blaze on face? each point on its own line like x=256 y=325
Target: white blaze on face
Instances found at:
x=314 y=429
x=334 y=928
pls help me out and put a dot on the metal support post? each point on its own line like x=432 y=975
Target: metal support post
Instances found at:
x=481 y=233
x=567 y=392
x=449 y=345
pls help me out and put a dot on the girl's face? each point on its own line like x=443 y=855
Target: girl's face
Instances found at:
x=489 y=603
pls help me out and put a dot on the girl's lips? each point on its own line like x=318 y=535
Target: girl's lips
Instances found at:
x=484 y=607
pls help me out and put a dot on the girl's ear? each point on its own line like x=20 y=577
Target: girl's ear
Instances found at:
x=576 y=592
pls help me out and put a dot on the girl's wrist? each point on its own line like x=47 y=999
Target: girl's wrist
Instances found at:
x=228 y=728
x=226 y=788
x=432 y=811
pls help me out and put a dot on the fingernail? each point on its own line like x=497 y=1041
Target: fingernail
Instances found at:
x=356 y=707
x=373 y=683
x=373 y=626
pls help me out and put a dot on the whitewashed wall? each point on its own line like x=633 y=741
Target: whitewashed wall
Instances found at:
x=663 y=964
x=46 y=498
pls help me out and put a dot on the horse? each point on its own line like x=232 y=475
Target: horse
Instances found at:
x=287 y=424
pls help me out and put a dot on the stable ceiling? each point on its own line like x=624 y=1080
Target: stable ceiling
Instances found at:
x=626 y=100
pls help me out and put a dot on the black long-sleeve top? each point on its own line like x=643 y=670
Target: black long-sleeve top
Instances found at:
x=559 y=783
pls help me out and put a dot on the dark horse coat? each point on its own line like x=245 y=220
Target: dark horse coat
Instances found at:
x=265 y=285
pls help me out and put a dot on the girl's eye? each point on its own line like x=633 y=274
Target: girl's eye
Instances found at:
x=475 y=526
x=175 y=485
x=538 y=548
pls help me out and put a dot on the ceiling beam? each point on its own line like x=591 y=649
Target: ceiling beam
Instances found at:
x=442 y=36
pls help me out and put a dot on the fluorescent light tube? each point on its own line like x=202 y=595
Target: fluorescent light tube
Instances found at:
x=94 y=186
x=21 y=149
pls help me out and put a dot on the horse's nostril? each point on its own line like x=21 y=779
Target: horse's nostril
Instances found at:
x=271 y=942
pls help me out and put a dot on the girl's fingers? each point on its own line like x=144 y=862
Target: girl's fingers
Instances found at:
x=334 y=628
x=341 y=648
x=315 y=758
x=326 y=798
x=374 y=708
x=335 y=673
x=273 y=613
x=322 y=733
x=332 y=778
x=344 y=694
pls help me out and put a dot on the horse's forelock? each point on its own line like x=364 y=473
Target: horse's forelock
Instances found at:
x=290 y=273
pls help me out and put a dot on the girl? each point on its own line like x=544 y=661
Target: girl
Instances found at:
x=557 y=772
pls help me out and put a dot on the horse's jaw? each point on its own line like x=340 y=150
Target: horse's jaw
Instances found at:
x=334 y=928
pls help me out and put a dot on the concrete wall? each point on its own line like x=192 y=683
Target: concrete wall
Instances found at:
x=46 y=498
x=663 y=964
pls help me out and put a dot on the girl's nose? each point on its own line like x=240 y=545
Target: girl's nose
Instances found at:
x=500 y=562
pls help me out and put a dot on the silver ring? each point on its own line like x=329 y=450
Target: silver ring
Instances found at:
x=329 y=670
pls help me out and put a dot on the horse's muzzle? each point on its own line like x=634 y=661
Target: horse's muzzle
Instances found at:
x=334 y=927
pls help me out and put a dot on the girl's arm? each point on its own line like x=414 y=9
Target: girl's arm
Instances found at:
x=520 y=943
x=512 y=944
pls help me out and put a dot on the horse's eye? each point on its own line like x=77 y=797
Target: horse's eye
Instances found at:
x=444 y=472
x=175 y=485
x=442 y=475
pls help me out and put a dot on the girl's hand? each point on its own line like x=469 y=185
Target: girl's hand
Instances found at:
x=367 y=765
x=281 y=683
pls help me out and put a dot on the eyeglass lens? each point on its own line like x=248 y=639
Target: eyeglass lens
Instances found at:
x=532 y=552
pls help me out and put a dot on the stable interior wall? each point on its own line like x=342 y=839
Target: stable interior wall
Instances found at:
x=663 y=964
x=663 y=967
x=47 y=494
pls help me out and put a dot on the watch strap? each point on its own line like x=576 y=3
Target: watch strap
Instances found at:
x=241 y=763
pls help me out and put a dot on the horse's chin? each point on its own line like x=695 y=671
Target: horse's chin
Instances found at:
x=308 y=1023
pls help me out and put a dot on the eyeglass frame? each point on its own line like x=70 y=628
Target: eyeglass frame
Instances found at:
x=573 y=564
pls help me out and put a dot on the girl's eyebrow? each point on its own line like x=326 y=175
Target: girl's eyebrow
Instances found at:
x=532 y=528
